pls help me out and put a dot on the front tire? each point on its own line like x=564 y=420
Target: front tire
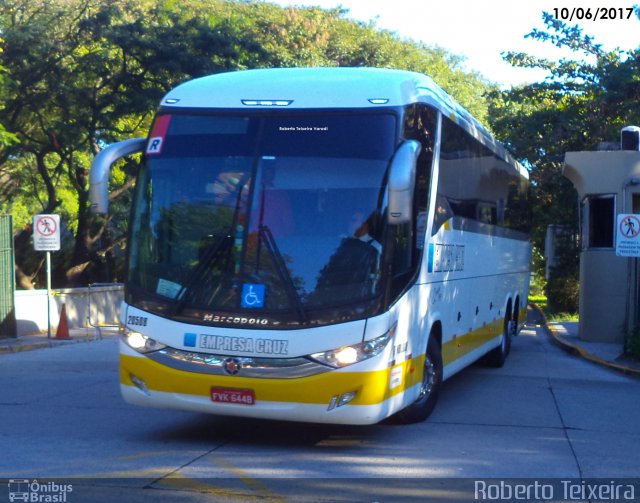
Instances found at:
x=421 y=409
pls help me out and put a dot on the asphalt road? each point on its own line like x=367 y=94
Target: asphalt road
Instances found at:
x=545 y=416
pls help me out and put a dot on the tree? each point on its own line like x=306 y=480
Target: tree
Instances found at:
x=583 y=102
x=85 y=73
x=6 y=138
x=82 y=74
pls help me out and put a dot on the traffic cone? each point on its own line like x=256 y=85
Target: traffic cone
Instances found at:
x=63 y=326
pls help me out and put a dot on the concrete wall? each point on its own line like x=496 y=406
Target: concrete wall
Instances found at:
x=604 y=290
x=97 y=305
x=607 y=299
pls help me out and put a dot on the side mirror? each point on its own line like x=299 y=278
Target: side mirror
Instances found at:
x=402 y=180
x=101 y=167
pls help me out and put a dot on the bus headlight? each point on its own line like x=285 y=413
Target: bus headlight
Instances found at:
x=141 y=342
x=348 y=355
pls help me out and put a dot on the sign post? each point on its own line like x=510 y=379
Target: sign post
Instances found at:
x=628 y=245
x=46 y=237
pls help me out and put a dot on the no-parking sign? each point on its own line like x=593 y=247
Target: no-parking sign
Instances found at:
x=628 y=235
x=46 y=232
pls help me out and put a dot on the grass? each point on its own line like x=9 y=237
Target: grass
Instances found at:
x=541 y=302
x=632 y=343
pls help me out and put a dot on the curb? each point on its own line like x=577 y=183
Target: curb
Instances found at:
x=577 y=350
x=19 y=345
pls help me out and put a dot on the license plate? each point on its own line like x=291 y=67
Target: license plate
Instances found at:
x=233 y=395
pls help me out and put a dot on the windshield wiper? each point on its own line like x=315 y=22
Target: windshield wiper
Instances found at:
x=211 y=256
x=265 y=235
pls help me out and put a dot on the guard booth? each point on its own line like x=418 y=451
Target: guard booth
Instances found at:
x=608 y=185
x=7 y=279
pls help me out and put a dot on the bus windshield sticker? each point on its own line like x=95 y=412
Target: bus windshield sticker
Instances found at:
x=421 y=229
x=252 y=295
x=160 y=127
x=168 y=288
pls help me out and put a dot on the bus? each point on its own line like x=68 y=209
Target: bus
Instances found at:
x=322 y=245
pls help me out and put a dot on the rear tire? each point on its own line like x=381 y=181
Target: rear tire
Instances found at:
x=496 y=357
x=421 y=409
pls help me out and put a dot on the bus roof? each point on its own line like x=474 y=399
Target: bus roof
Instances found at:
x=303 y=88
x=323 y=88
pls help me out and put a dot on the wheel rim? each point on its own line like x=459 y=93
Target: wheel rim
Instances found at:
x=429 y=378
x=509 y=328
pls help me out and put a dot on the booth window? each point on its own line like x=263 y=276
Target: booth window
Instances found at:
x=600 y=216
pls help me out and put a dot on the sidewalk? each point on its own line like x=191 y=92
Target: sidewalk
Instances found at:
x=608 y=354
x=41 y=340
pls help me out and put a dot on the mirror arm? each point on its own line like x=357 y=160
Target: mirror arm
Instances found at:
x=101 y=167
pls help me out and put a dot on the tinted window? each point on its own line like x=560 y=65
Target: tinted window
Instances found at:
x=477 y=185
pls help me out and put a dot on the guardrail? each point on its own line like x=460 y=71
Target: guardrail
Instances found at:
x=97 y=297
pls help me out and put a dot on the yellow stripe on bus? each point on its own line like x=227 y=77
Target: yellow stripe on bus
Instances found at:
x=371 y=387
x=464 y=344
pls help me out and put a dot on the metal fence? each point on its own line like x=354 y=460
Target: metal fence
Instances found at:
x=7 y=279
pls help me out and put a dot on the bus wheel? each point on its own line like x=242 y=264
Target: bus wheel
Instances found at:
x=431 y=382
x=496 y=357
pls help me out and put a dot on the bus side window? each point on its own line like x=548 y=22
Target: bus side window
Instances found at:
x=420 y=124
x=408 y=239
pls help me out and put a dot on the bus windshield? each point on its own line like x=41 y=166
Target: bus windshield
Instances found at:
x=260 y=214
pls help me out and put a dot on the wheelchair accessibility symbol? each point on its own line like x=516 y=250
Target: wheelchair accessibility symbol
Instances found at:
x=252 y=295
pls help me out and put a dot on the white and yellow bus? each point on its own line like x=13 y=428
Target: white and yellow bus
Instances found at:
x=316 y=244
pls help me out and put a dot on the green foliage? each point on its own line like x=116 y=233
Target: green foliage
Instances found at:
x=632 y=343
x=539 y=300
x=553 y=316
x=563 y=294
x=84 y=73
x=6 y=138
x=583 y=102
x=562 y=288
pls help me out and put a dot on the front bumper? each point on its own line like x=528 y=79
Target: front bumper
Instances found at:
x=314 y=398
